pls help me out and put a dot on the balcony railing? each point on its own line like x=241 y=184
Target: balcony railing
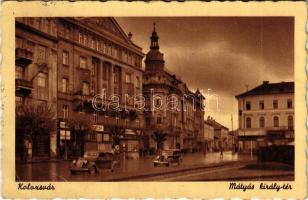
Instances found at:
x=125 y=123
x=23 y=57
x=23 y=87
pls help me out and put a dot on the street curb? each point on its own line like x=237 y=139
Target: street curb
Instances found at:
x=127 y=178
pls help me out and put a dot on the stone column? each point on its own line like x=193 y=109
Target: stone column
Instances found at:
x=99 y=77
x=111 y=79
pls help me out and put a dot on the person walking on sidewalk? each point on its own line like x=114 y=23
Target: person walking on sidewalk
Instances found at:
x=221 y=152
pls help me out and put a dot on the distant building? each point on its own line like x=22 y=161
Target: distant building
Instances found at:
x=221 y=136
x=64 y=62
x=207 y=138
x=170 y=106
x=266 y=115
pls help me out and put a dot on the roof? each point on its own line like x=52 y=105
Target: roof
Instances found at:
x=214 y=124
x=270 y=88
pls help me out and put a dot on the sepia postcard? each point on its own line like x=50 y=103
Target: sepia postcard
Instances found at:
x=153 y=100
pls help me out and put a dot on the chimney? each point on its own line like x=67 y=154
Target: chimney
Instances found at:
x=130 y=35
x=265 y=82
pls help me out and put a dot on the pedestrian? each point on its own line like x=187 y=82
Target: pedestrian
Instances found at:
x=204 y=152
x=221 y=152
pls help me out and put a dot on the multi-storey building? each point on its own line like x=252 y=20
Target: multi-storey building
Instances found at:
x=170 y=106
x=65 y=62
x=221 y=138
x=207 y=139
x=266 y=115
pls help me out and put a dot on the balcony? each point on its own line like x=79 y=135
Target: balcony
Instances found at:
x=23 y=57
x=23 y=87
x=125 y=123
x=82 y=102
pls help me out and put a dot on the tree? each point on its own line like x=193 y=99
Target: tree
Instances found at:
x=80 y=126
x=159 y=137
x=33 y=121
x=116 y=134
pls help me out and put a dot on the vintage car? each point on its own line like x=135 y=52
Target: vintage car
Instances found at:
x=94 y=161
x=168 y=157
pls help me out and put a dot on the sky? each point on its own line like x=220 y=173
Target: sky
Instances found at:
x=222 y=56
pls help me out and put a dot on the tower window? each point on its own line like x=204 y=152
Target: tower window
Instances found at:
x=275 y=104
x=261 y=105
x=289 y=103
x=248 y=105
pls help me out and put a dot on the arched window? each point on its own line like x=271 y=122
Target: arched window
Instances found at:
x=276 y=121
x=290 y=122
x=262 y=122
x=248 y=122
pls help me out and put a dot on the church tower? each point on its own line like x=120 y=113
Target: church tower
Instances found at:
x=154 y=59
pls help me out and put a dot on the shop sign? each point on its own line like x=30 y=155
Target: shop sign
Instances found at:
x=98 y=128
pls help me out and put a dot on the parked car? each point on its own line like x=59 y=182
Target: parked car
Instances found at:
x=94 y=161
x=168 y=157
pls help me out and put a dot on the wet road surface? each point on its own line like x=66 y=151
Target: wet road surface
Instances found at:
x=59 y=171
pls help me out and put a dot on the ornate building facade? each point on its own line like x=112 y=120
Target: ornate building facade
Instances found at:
x=65 y=62
x=171 y=108
x=266 y=115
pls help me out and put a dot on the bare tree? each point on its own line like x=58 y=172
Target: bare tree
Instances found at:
x=80 y=126
x=159 y=137
x=33 y=121
x=116 y=134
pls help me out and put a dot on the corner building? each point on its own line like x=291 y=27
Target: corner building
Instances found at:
x=65 y=62
x=170 y=106
x=266 y=116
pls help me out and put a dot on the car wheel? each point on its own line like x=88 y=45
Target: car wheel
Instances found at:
x=73 y=172
x=167 y=165
x=155 y=164
x=92 y=170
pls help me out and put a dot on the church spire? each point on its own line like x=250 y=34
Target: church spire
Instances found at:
x=154 y=38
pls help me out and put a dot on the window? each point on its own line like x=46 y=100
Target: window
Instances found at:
x=80 y=38
x=289 y=103
x=127 y=78
x=85 y=88
x=64 y=85
x=158 y=102
x=65 y=57
x=97 y=45
x=248 y=122
x=106 y=137
x=137 y=82
x=92 y=43
x=261 y=105
x=42 y=79
x=83 y=62
x=65 y=111
x=158 y=119
x=275 y=104
x=276 y=121
x=262 y=122
x=19 y=72
x=92 y=136
x=248 y=105
x=116 y=74
x=290 y=122
x=85 y=39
